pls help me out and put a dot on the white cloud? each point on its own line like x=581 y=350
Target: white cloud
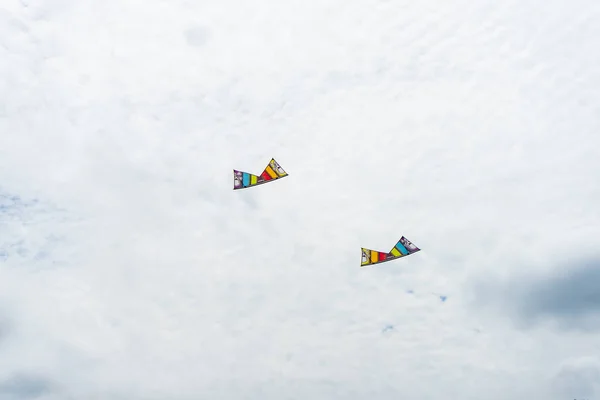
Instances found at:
x=139 y=273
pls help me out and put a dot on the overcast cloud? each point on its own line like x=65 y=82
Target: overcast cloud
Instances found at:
x=130 y=269
x=568 y=296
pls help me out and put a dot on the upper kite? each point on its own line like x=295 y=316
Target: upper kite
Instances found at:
x=403 y=248
x=272 y=172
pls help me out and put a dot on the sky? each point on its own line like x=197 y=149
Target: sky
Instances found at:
x=131 y=269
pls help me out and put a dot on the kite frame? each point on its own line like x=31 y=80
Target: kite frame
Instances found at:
x=387 y=259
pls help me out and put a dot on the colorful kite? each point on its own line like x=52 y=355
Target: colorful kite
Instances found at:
x=272 y=172
x=403 y=248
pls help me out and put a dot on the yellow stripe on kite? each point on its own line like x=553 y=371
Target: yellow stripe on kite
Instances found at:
x=271 y=172
x=374 y=256
x=253 y=179
x=395 y=252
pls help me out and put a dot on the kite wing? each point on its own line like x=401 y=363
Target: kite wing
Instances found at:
x=404 y=247
x=272 y=171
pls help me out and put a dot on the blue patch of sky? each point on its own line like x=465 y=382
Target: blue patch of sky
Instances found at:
x=17 y=214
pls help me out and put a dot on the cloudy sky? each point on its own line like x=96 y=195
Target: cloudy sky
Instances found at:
x=130 y=269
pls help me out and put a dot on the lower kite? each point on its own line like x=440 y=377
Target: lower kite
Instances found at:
x=403 y=248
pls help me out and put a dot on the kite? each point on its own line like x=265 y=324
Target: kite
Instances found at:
x=272 y=172
x=403 y=248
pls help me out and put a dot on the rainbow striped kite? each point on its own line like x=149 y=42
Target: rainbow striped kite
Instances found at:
x=272 y=172
x=403 y=248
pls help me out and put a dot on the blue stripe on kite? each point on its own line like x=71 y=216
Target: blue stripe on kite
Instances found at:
x=246 y=179
x=401 y=248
